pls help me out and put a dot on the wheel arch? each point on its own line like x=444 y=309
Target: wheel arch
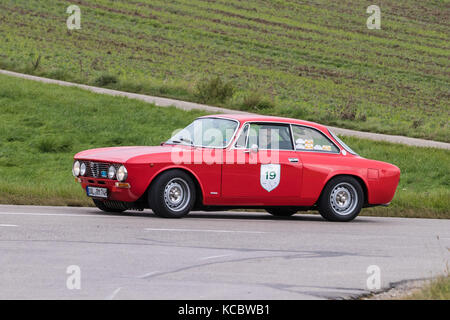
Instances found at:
x=199 y=194
x=360 y=180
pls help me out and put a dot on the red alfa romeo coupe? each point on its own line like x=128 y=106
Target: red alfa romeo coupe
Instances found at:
x=221 y=162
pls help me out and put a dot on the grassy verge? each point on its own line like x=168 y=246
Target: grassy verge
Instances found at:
x=438 y=289
x=315 y=60
x=42 y=126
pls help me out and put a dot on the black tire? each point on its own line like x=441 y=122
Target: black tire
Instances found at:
x=172 y=194
x=282 y=211
x=333 y=205
x=104 y=207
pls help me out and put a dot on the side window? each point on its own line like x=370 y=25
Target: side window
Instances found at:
x=241 y=142
x=270 y=136
x=311 y=139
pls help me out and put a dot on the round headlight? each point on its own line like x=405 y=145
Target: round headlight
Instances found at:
x=76 y=168
x=111 y=172
x=122 y=173
x=82 y=169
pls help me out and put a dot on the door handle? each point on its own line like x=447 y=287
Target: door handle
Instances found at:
x=293 y=159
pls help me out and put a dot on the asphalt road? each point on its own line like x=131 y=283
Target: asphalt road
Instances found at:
x=220 y=255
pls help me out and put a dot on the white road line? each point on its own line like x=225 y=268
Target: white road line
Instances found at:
x=52 y=214
x=8 y=225
x=145 y=275
x=203 y=230
x=214 y=257
x=100 y=215
x=112 y=295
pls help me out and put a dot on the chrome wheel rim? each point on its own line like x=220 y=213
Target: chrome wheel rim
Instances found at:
x=344 y=199
x=177 y=194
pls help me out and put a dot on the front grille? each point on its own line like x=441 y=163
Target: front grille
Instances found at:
x=98 y=169
x=119 y=205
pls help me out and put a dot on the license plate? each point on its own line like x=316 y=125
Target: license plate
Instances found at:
x=97 y=192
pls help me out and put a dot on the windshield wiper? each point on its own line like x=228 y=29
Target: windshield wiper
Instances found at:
x=187 y=140
x=181 y=140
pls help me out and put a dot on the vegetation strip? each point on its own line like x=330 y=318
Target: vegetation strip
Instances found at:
x=184 y=105
x=437 y=288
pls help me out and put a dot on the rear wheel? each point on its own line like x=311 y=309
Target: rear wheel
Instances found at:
x=172 y=194
x=281 y=211
x=342 y=199
x=109 y=206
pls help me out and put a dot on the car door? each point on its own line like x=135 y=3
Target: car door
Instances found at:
x=262 y=168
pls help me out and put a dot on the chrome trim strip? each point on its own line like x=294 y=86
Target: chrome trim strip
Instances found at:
x=250 y=122
x=239 y=135
x=341 y=143
x=292 y=136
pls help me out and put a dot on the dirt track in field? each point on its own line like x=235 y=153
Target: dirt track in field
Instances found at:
x=184 y=105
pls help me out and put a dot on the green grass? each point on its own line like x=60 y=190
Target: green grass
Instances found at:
x=438 y=289
x=42 y=126
x=314 y=60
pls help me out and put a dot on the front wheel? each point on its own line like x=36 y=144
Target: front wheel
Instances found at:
x=172 y=195
x=342 y=199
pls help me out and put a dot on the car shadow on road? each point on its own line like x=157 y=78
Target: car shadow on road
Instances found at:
x=251 y=216
x=232 y=215
x=263 y=216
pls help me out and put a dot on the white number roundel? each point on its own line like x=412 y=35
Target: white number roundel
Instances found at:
x=270 y=176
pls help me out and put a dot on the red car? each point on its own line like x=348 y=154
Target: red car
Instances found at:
x=238 y=161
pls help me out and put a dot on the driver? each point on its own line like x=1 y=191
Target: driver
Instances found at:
x=267 y=138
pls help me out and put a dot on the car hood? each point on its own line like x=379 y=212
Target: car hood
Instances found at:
x=120 y=154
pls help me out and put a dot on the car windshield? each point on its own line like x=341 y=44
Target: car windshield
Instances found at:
x=342 y=143
x=206 y=132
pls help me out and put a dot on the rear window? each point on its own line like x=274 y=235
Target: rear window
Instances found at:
x=308 y=139
x=342 y=143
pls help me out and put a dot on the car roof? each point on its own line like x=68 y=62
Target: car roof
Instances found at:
x=260 y=118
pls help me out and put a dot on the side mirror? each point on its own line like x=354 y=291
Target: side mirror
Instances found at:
x=254 y=148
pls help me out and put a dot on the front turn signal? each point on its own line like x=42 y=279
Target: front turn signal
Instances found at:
x=123 y=185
